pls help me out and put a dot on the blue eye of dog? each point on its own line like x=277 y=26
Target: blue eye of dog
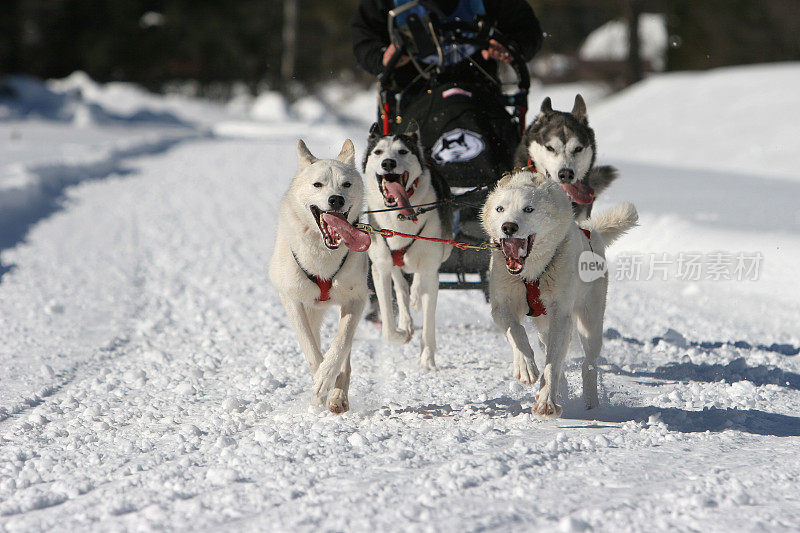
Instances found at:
x=528 y=209
x=500 y=209
x=402 y=151
x=346 y=184
x=317 y=185
x=578 y=149
x=550 y=148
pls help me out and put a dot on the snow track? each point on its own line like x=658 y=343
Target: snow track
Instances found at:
x=172 y=393
x=149 y=378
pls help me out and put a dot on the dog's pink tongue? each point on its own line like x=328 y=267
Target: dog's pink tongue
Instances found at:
x=512 y=246
x=579 y=192
x=353 y=238
x=396 y=189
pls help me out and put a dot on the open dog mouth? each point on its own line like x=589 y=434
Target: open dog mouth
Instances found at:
x=335 y=229
x=516 y=250
x=395 y=194
x=578 y=191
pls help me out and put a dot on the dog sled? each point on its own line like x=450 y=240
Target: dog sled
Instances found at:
x=469 y=132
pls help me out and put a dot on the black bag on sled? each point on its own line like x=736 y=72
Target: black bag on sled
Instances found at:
x=469 y=136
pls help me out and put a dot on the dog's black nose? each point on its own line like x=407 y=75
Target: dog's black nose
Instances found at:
x=566 y=174
x=336 y=201
x=388 y=164
x=509 y=228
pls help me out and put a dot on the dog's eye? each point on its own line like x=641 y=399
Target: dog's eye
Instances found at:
x=500 y=209
x=578 y=149
x=378 y=152
x=346 y=184
x=317 y=184
x=550 y=148
x=528 y=209
x=402 y=151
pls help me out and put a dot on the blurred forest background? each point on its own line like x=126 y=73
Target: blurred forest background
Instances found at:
x=213 y=44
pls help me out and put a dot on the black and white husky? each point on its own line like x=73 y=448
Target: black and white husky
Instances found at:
x=396 y=176
x=562 y=146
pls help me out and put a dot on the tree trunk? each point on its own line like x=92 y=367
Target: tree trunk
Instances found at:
x=635 y=71
x=289 y=54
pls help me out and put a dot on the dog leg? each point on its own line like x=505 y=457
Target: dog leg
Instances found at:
x=589 y=319
x=429 y=293
x=383 y=289
x=307 y=332
x=405 y=324
x=339 y=352
x=558 y=335
x=415 y=294
x=337 y=401
x=524 y=368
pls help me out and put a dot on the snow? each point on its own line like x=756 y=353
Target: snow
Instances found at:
x=610 y=42
x=151 y=380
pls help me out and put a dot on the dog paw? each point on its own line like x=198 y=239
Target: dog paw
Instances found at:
x=547 y=409
x=525 y=370
x=426 y=361
x=324 y=380
x=337 y=402
x=545 y=405
x=397 y=336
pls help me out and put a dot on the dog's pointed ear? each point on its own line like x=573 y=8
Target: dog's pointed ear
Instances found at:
x=304 y=155
x=375 y=130
x=547 y=106
x=348 y=153
x=579 y=109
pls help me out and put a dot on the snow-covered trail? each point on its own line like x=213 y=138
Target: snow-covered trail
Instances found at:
x=154 y=382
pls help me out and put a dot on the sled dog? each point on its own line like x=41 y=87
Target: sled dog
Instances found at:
x=562 y=146
x=397 y=177
x=538 y=272
x=313 y=271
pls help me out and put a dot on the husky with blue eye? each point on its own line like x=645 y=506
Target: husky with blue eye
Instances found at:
x=562 y=146
x=397 y=178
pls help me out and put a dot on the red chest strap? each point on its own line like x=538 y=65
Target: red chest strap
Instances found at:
x=535 y=305
x=533 y=294
x=324 y=288
x=398 y=256
x=323 y=284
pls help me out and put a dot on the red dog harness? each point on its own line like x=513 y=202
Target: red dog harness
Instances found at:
x=533 y=294
x=398 y=256
x=323 y=284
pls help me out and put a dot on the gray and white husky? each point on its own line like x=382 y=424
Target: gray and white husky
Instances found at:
x=396 y=176
x=562 y=146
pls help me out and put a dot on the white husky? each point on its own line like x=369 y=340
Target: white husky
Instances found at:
x=396 y=175
x=536 y=273
x=312 y=271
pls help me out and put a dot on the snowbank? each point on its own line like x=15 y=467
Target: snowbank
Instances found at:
x=742 y=119
x=610 y=41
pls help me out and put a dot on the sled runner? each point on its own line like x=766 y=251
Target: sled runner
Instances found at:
x=469 y=129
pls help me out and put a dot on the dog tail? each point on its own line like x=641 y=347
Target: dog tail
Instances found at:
x=600 y=178
x=613 y=223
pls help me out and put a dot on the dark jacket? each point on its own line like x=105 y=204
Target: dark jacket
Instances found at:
x=514 y=18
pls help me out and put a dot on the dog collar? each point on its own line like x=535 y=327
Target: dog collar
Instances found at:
x=323 y=284
x=533 y=295
x=398 y=256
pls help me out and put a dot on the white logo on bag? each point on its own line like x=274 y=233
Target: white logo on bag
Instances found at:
x=591 y=266
x=457 y=146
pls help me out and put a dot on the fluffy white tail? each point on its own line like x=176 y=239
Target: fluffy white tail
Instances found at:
x=613 y=223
